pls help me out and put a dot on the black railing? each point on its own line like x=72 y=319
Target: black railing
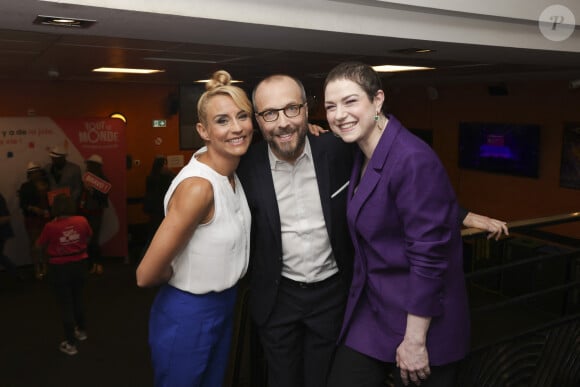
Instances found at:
x=525 y=311
x=525 y=306
x=521 y=225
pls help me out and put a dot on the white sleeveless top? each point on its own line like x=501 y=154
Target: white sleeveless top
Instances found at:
x=217 y=254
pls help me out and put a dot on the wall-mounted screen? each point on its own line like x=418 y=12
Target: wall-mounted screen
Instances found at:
x=500 y=148
x=188 y=96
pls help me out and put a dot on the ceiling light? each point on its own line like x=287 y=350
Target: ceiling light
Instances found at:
x=179 y=60
x=63 y=21
x=394 y=69
x=207 y=80
x=412 y=51
x=60 y=21
x=126 y=70
x=120 y=116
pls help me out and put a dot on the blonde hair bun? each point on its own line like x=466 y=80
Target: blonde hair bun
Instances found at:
x=218 y=79
x=220 y=84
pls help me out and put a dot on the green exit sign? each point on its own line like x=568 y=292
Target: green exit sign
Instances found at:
x=159 y=123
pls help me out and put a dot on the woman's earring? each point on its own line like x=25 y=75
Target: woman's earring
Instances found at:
x=378 y=121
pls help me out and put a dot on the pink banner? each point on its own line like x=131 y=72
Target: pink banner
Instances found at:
x=96 y=182
x=29 y=139
x=106 y=138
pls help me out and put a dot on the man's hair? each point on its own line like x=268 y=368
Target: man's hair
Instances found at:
x=278 y=77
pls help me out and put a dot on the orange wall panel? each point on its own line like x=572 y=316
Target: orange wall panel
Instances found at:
x=140 y=104
x=546 y=103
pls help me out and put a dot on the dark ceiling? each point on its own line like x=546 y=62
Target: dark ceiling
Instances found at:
x=192 y=49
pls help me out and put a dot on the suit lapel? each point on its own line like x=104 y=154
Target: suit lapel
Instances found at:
x=266 y=193
x=321 y=167
x=373 y=173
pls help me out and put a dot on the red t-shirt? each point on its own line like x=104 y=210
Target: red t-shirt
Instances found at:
x=66 y=239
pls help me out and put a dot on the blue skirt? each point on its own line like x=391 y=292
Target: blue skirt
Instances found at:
x=190 y=337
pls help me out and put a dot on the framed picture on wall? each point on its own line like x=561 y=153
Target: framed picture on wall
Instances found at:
x=570 y=165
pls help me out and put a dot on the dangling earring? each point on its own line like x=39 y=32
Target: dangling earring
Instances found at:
x=379 y=126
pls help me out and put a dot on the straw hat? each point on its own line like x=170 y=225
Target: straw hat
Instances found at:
x=32 y=166
x=57 y=152
x=95 y=159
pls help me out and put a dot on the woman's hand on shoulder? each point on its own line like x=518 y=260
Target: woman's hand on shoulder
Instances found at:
x=316 y=130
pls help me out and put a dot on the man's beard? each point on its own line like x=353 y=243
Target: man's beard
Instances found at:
x=288 y=151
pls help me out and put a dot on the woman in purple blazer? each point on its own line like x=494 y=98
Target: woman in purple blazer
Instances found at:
x=407 y=304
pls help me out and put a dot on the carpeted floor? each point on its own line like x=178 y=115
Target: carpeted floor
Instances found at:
x=116 y=352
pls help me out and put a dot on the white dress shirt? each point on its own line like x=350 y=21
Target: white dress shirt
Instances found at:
x=307 y=254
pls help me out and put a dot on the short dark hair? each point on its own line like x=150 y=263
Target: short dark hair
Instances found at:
x=63 y=205
x=360 y=73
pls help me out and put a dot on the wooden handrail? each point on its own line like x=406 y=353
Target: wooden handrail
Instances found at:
x=527 y=223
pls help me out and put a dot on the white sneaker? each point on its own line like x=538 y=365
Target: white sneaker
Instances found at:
x=80 y=335
x=67 y=348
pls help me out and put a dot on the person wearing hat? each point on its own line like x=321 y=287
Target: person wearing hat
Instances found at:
x=92 y=206
x=64 y=174
x=33 y=200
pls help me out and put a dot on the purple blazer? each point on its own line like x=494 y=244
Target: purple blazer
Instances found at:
x=402 y=217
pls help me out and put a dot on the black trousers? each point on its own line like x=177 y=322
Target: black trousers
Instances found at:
x=352 y=368
x=94 y=249
x=68 y=281
x=5 y=261
x=299 y=338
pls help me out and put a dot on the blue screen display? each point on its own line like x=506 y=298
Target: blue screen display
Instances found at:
x=500 y=148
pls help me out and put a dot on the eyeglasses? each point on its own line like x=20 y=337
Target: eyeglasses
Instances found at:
x=290 y=111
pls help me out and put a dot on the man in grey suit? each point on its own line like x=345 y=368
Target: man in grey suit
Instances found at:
x=301 y=254
x=64 y=174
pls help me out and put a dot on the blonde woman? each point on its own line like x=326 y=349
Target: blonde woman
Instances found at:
x=201 y=248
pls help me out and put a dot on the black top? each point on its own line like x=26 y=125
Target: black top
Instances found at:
x=5 y=228
x=155 y=188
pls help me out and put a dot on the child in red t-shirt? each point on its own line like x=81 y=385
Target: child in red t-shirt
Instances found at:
x=66 y=238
